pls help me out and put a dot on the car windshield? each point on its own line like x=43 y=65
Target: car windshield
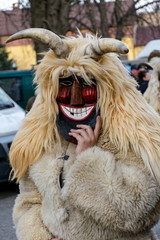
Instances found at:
x=5 y=101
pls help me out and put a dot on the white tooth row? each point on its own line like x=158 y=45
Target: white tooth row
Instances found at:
x=78 y=110
x=77 y=113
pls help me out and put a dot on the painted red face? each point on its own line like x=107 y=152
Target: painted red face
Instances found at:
x=76 y=99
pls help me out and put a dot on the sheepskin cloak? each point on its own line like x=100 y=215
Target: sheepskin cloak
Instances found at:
x=105 y=197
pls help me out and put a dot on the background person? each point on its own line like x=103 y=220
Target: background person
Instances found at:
x=134 y=71
x=144 y=77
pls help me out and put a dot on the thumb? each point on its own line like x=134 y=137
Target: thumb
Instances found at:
x=97 y=126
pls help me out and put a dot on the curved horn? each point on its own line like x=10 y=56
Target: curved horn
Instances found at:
x=105 y=45
x=45 y=36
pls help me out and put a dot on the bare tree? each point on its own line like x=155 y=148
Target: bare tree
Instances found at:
x=103 y=17
x=112 y=17
x=49 y=14
x=107 y=18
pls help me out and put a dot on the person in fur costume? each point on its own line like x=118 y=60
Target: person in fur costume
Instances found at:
x=87 y=156
x=152 y=94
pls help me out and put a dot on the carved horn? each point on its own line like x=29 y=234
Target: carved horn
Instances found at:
x=53 y=41
x=105 y=45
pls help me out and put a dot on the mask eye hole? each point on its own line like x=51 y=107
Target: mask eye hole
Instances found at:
x=86 y=84
x=82 y=81
x=66 y=82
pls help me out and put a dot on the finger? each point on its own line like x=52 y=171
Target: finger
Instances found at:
x=97 y=126
x=82 y=132
x=77 y=136
x=87 y=128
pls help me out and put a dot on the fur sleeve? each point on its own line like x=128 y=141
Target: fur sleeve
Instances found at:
x=114 y=194
x=26 y=213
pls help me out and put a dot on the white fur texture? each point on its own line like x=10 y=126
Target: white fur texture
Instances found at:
x=104 y=197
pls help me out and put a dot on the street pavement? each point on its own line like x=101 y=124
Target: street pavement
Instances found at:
x=157 y=230
x=8 y=194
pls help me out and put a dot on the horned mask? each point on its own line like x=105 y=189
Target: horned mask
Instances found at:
x=77 y=99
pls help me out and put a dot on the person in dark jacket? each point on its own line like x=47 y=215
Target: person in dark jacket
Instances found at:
x=144 y=75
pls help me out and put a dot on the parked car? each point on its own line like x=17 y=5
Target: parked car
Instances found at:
x=11 y=116
x=18 y=85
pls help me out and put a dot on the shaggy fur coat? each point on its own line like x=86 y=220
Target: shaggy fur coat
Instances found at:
x=105 y=196
x=110 y=191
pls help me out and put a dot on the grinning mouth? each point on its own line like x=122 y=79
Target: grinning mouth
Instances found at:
x=77 y=113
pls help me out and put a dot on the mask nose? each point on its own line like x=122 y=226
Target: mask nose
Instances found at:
x=76 y=93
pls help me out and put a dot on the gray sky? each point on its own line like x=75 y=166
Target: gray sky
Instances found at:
x=6 y=4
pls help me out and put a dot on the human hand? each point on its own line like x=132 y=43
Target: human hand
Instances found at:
x=86 y=137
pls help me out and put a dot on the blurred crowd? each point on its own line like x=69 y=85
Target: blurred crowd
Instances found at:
x=142 y=72
x=147 y=76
